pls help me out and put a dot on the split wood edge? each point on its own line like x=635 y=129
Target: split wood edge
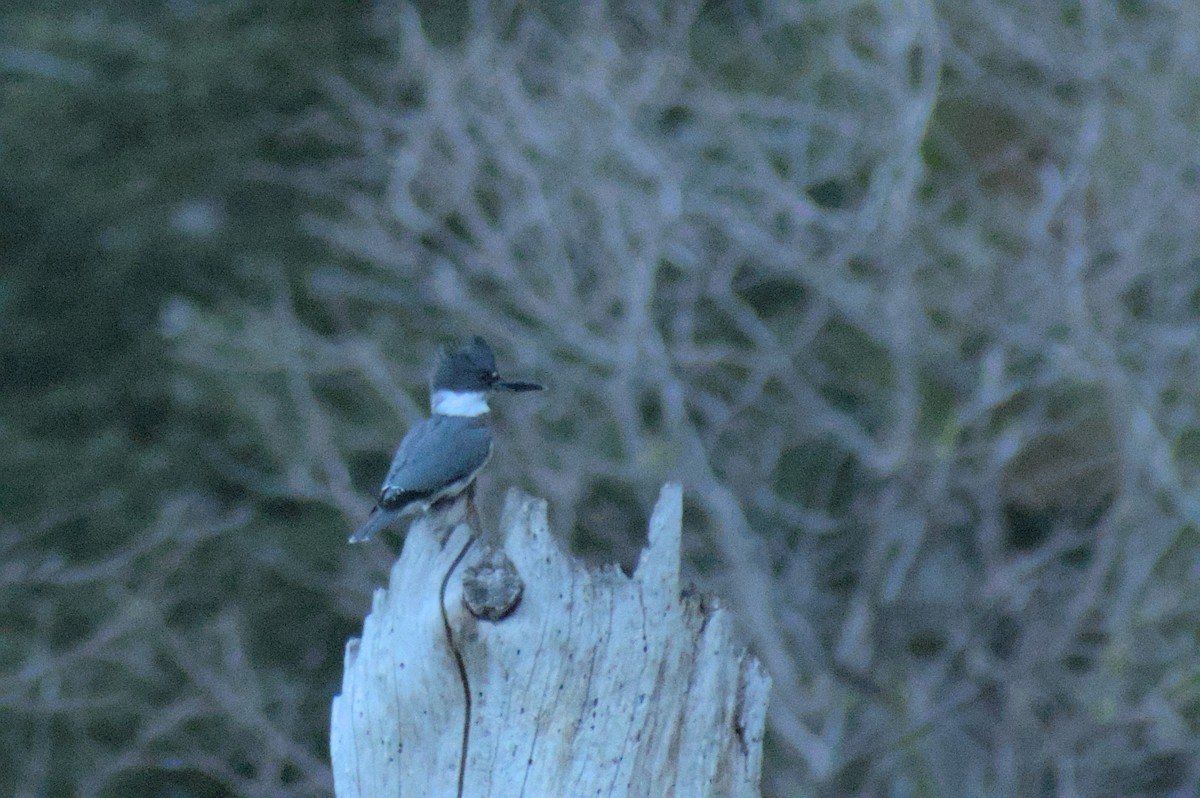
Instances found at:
x=595 y=683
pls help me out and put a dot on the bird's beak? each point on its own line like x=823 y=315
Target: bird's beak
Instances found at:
x=518 y=387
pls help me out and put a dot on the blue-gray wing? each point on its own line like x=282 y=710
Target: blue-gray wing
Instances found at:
x=436 y=453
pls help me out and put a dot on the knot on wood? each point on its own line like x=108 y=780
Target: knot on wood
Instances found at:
x=492 y=587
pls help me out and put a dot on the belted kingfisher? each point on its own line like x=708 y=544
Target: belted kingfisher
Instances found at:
x=439 y=457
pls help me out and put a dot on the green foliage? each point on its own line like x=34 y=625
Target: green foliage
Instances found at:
x=129 y=142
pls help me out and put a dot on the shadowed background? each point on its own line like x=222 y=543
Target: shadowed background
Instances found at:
x=905 y=294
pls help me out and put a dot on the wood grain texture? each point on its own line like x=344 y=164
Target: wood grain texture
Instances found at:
x=597 y=684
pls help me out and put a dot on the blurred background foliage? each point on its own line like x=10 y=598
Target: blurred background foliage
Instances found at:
x=906 y=294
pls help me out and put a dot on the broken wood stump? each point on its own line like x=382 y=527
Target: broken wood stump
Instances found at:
x=591 y=683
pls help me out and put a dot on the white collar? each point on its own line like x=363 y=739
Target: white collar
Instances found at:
x=459 y=403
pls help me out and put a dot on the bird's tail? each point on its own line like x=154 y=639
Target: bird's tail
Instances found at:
x=378 y=520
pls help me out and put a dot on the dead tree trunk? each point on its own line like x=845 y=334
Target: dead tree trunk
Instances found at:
x=595 y=684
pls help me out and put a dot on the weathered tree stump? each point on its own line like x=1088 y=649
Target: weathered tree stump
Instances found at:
x=595 y=684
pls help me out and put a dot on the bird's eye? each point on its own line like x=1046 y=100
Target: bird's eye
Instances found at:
x=495 y=375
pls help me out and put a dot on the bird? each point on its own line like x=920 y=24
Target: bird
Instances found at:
x=440 y=456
